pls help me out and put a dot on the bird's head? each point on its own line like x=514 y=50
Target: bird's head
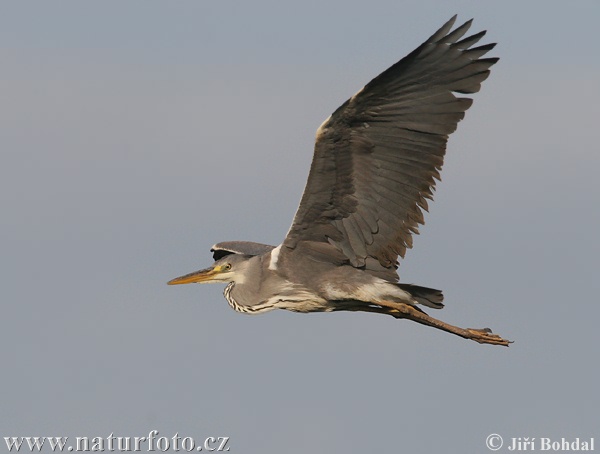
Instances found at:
x=227 y=269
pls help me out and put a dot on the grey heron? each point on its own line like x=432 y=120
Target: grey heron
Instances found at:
x=375 y=163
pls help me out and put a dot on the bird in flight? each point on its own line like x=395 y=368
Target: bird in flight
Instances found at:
x=375 y=164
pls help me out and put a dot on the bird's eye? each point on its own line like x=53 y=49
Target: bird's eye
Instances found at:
x=227 y=267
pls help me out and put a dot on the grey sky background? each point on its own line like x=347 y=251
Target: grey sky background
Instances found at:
x=134 y=135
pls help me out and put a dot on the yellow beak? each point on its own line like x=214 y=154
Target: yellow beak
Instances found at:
x=205 y=275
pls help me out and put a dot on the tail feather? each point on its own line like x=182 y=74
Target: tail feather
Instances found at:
x=429 y=297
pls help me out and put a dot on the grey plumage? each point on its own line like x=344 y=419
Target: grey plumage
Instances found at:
x=375 y=163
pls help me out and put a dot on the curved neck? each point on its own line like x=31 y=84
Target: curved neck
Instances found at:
x=246 y=309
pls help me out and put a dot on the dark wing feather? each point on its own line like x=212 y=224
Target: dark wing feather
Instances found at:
x=378 y=155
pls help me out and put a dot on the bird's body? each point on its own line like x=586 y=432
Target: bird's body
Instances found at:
x=375 y=164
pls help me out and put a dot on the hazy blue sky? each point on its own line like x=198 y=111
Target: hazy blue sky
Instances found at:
x=134 y=135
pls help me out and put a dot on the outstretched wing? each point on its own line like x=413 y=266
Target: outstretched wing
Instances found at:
x=378 y=155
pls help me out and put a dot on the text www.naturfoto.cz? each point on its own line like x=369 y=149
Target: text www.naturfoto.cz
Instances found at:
x=122 y=444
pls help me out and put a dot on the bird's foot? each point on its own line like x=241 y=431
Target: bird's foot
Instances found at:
x=485 y=336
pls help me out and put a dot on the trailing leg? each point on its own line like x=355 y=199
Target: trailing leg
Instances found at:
x=403 y=310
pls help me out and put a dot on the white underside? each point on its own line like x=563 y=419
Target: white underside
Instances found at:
x=377 y=291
